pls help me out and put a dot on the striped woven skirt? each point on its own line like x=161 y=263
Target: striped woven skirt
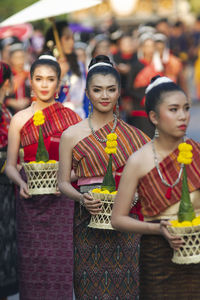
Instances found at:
x=106 y=262
x=160 y=279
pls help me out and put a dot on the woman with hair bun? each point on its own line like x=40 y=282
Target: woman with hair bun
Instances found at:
x=8 y=248
x=44 y=222
x=106 y=261
x=159 y=184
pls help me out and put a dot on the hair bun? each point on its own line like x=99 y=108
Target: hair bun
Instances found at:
x=155 y=78
x=155 y=81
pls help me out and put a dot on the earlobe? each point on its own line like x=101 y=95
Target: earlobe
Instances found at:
x=86 y=92
x=153 y=117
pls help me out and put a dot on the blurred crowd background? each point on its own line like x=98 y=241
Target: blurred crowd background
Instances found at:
x=164 y=41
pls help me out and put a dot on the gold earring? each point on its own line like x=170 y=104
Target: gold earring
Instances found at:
x=156 y=134
x=57 y=95
x=90 y=108
x=117 y=109
x=32 y=94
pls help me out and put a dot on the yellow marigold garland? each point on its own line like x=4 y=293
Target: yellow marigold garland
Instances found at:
x=38 y=118
x=186 y=211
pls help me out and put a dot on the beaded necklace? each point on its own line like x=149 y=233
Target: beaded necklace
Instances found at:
x=94 y=133
x=170 y=186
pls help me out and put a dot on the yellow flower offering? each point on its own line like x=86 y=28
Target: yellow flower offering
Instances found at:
x=111 y=148
x=42 y=154
x=96 y=190
x=176 y=223
x=196 y=221
x=185 y=153
x=111 y=144
x=112 y=137
x=38 y=118
x=103 y=191
x=186 y=210
x=114 y=193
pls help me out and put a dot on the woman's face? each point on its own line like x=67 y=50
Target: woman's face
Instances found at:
x=173 y=116
x=44 y=83
x=17 y=60
x=67 y=41
x=148 y=48
x=103 y=92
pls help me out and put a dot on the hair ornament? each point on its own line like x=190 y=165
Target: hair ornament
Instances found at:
x=158 y=81
x=46 y=56
x=100 y=64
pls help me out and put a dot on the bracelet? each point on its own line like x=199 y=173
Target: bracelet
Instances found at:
x=82 y=201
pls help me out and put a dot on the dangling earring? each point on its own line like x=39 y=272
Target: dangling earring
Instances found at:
x=32 y=94
x=7 y=93
x=90 y=108
x=156 y=134
x=117 y=108
x=56 y=96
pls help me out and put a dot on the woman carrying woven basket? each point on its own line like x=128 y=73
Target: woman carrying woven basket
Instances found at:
x=159 y=184
x=106 y=264
x=44 y=222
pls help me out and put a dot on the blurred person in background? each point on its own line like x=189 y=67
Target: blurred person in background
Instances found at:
x=101 y=46
x=5 y=46
x=20 y=99
x=173 y=67
x=72 y=87
x=8 y=249
x=124 y=59
x=147 y=65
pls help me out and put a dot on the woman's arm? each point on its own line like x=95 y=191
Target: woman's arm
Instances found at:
x=12 y=155
x=120 y=213
x=64 y=174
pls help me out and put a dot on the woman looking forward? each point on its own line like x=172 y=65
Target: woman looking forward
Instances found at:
x=106 y=262
x=44 y=222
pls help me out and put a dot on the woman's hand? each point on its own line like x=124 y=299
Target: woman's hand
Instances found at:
x=24 y=190
x=92 y=205
x=175 y=241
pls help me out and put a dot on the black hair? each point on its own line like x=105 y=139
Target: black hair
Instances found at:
x=72 y=57
x=46 y=62
x=5 y=73
x=155 y=96
x=102 y=69
x=60 y=26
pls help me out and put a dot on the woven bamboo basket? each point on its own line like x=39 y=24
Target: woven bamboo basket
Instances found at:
x=41 y=178
x=189 y=253
x=103 y=219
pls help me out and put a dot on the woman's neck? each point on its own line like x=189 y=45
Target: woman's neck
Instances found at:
x=39 y=105
x=100 y=119
x=166 y=145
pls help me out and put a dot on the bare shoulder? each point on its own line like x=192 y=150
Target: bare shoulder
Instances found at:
x=21 y=117
x=141 y=160
x=76 y=132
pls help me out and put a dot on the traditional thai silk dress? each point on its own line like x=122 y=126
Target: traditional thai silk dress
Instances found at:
x=45 y=222
x=8 y=246
x=106 y=261
x=159 y=277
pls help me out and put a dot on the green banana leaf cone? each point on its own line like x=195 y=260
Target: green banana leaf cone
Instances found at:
x=186 y=210
x=109 y=181
x=42 y=154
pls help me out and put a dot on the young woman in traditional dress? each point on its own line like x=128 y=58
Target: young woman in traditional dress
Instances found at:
x=44 y=222
x=155 y=172
x=8 y=249
x=106 y=261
